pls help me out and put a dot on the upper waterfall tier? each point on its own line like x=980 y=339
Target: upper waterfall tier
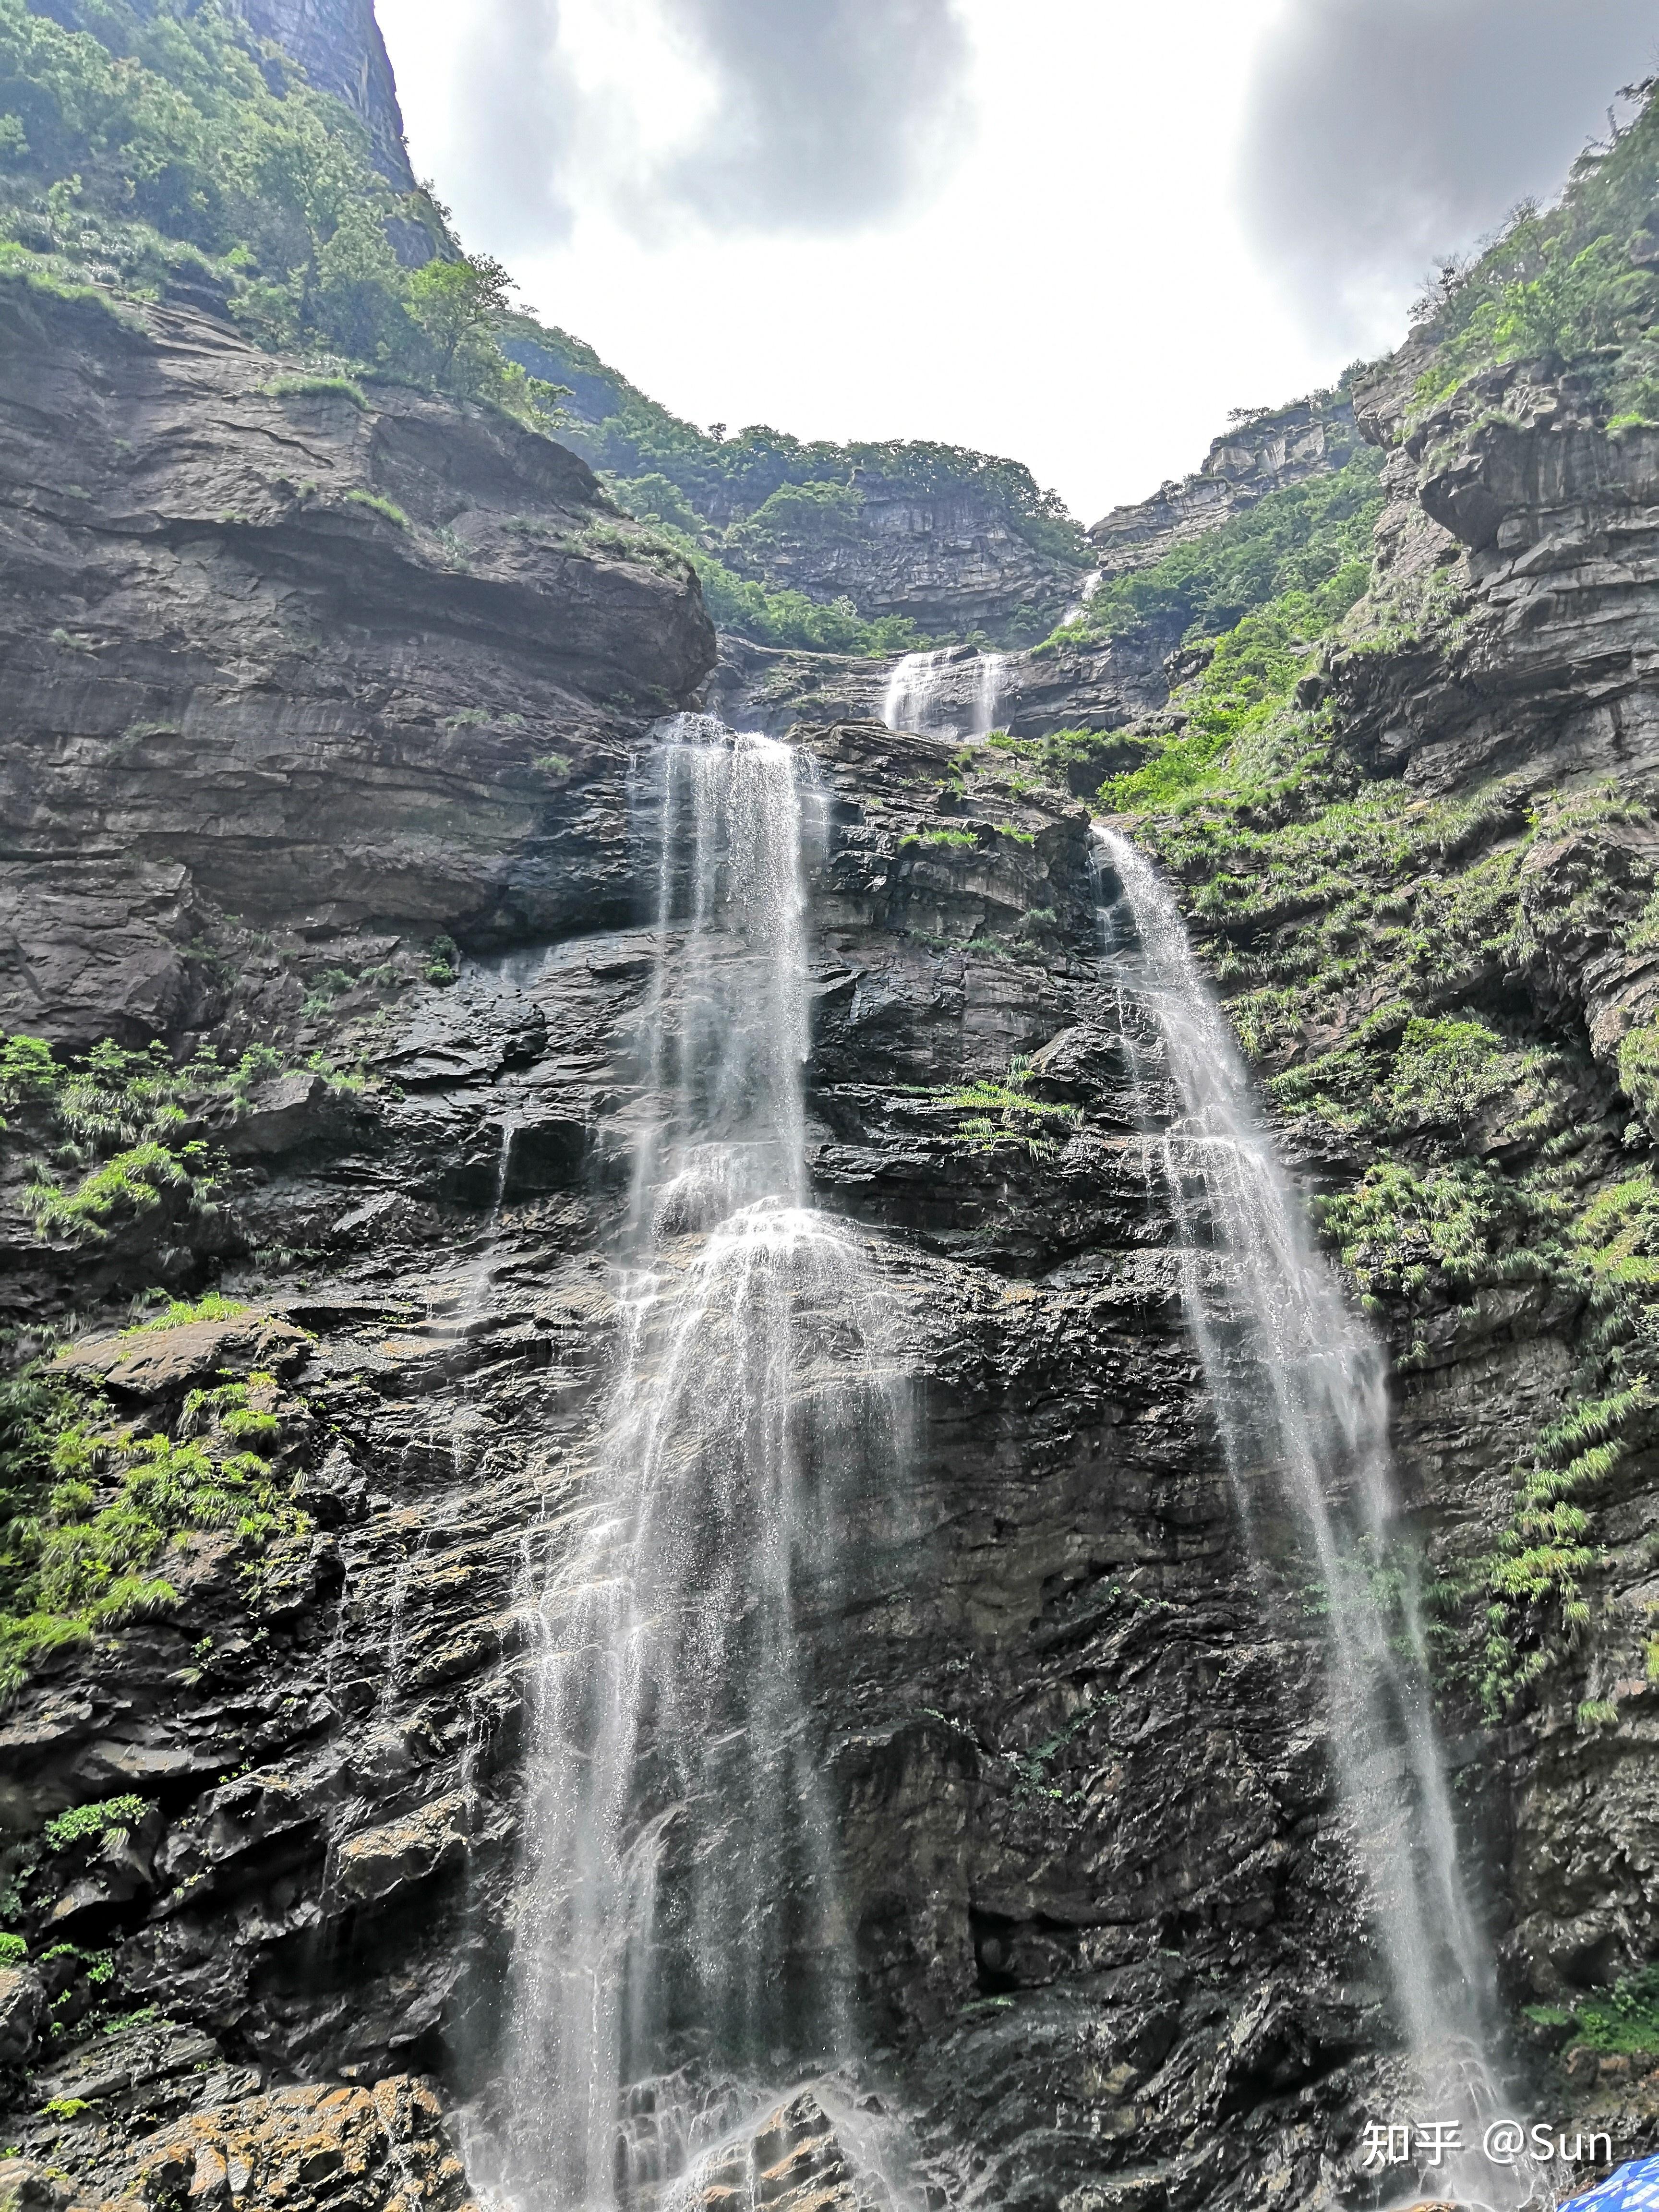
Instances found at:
x=945 y=694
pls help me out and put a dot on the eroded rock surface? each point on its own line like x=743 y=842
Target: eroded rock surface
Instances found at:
x=1263 y=451
x=1092 y=687
x=279 y=650
x=1110 y=1934
x=1098 y=1898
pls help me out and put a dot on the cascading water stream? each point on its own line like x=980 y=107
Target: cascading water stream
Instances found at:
x=678 y=1954
x=991 y=671
x=935 y=695
x=1299 y=1391
x=1079 y=607
x=907 y=703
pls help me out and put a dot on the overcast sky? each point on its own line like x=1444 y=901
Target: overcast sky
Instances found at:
x=1073 y=231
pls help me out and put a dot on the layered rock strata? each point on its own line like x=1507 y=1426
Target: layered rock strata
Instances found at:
x=1262 y=452
x=953 y=561
x=282 y=648
x=1081 y=1797
x=1110 y=1940
x=1096 y=687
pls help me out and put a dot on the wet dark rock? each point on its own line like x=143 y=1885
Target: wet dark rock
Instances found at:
x=22 y=2007
x=1099 y=687
x=237 y=683
x=31 y=2188
x=301 y=1107
x=1066 y=1740
x=770 y=688
x=1109 y=1929
x=348 y=2150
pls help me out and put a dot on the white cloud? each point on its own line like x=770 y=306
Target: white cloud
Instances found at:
x=1015 y=228
x=1381 y=134
x=740 y=114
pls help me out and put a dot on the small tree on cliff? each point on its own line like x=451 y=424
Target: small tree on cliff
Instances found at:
x=455 y=306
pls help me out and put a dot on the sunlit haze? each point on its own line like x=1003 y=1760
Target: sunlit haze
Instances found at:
x=1077 y=232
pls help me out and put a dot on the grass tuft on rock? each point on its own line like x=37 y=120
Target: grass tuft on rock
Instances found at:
x=89 y=1509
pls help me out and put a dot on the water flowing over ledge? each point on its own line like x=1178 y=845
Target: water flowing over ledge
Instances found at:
x=1298 y=1389
x=680 y=1958
x=946 y=694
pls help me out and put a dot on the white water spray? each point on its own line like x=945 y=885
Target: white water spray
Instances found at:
x=679 y=1956
x=945 y=694
x=1299 y=1389
x=1092 y=584
x=907 y=701
x=992 y=668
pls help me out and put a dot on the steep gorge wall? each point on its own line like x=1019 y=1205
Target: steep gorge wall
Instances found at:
x=1450 y=847
x=338 y=44
x=1107 y=1925
x=1531 y=689
x=950 y=560
x=1104 y=1923
x=1464 y=846
x=951 y=539
x=1263 y=451
x=280 y=653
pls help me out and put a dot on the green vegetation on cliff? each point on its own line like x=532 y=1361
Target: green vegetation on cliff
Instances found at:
x=1623 y=2019
x=159 y=154
x=724 y=481
x=1003 y=1113
x=109 y=1134
x=1570 y=285
x=1387 y=955
x=95 y=1503
x=1310 y=541
x=754 y=610
x=1240 y=690
x=88 y=1508
x=1253 y=601
x=108 y=1137
x=738 y=506
x=165 y=155
x=1405 y=926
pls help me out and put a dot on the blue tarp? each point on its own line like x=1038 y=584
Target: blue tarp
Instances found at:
x=1635 y=2185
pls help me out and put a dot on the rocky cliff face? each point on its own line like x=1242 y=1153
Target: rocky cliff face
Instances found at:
x=1090 y=686
x=954 y=540
x=286 y=652
x=1261 y=452
x=303 y=681
x=338 y=44
x=1520 y=543
x=1100 y=1911
x=1485 y=734
x=951 y=561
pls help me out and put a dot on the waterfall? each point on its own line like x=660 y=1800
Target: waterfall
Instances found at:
x=1298 y=1386
x=1079 y=607
x=990 y=667
x=907 y=701
x=679 y=1951
x=935 y=695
